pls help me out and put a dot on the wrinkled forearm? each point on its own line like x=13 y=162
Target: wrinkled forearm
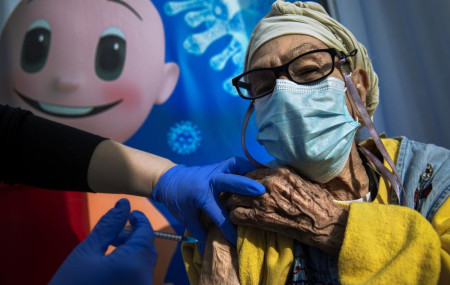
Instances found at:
x=220 y=261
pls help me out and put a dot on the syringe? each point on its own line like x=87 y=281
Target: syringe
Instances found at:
x=175 y=237
x=164 y=235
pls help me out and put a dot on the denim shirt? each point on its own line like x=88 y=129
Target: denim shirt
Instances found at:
x=425 y=173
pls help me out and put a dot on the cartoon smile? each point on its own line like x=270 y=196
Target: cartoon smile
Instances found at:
x=66 y=111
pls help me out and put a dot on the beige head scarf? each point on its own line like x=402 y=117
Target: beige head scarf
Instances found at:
x=309 y=18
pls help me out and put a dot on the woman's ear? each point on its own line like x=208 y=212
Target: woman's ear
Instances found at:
x=361 y=81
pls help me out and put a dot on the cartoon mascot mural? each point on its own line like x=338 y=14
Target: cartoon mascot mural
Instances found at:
x=95 y=65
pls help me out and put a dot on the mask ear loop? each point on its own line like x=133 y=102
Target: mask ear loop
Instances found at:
x=352 y=104
x=244 y=129
x=394 y=179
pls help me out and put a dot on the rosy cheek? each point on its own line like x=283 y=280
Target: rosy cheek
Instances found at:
x=18 y=78
x=132 y=97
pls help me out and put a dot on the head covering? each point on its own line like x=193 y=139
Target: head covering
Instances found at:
x=310 y=18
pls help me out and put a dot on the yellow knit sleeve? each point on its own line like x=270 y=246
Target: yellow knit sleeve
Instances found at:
x=193 y=262
x=388 y=244
x=441 y=223
x=265 y=257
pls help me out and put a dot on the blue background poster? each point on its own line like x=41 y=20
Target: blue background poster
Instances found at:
x=201 y=121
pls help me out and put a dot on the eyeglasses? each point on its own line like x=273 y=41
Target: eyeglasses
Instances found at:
x=306 y=68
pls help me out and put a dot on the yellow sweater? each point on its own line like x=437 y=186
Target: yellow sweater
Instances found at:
x=383 y=244
x=400 y=245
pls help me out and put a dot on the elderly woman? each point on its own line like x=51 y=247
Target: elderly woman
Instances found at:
x=333 y=212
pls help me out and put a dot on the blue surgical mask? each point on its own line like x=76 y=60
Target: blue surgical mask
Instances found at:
x=307 y=127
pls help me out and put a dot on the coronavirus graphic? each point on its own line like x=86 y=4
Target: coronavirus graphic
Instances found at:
x=184 y=138
x=220 y=18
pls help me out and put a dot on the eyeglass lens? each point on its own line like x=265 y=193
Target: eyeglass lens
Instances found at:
x=305 y=69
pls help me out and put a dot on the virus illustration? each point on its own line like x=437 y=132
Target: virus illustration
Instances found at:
x=184 y=138
x=220 y=18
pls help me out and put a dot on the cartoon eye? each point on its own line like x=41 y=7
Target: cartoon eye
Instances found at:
x=36 y=46
x=110 y=55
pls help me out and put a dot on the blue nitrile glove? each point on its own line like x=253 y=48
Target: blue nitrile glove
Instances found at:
x=132 y=262
x=187 y=191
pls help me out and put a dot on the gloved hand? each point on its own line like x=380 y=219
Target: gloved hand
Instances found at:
x=187 y=191
x=132 y=262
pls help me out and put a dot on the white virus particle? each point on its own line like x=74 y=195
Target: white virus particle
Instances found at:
x=184 y=138
x=221 y=18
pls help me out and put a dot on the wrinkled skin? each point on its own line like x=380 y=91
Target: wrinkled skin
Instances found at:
x=220 y=262
x=294 y=207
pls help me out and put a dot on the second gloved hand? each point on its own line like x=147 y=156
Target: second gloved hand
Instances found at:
x=187 y=191
x=132 y=262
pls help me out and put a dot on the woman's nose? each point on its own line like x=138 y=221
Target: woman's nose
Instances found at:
x=66 y=84
x=282 y=74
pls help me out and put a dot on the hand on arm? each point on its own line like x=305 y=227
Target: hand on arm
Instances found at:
x=187 y=191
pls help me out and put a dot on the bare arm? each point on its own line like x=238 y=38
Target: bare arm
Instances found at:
x=43 y=153
x=116 y=168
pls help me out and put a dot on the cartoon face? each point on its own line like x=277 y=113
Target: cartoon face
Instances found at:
x=97 y=65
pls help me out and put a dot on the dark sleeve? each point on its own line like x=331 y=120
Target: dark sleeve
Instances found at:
x=43 y=153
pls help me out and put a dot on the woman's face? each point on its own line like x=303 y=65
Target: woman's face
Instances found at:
x=282 y=49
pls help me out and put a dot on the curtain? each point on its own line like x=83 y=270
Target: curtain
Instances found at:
x=408 y=42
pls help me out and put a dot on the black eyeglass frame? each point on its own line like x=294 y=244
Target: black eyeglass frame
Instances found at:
x=285 y=68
